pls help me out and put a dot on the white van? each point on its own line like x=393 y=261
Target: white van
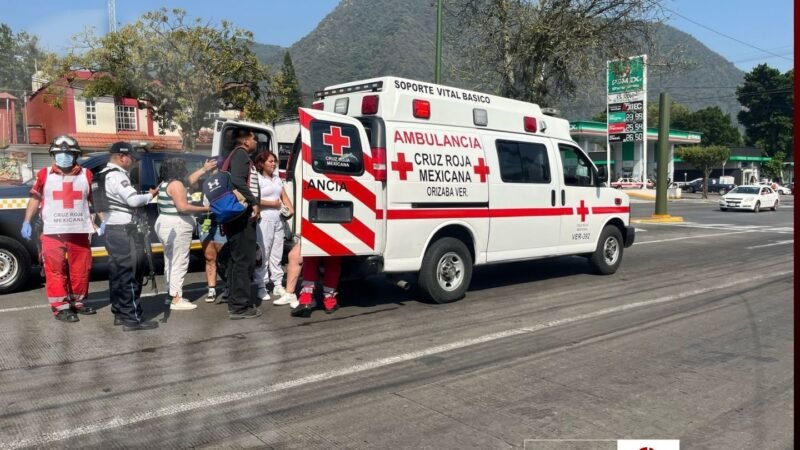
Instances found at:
x=408 y=176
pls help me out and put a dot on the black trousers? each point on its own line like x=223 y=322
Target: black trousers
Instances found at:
x=126 y=271
x=241 y=235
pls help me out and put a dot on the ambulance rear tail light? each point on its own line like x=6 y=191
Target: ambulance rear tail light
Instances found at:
x=422 y=109
x=369 y=104
x=379 y=163
x=318 y=105
x=617 y=201
x=530 y=124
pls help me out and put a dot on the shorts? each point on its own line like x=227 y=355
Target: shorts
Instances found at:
x=214 y=233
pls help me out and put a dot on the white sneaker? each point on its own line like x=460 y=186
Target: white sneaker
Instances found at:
x=263 y=294
x=286 y=299
x=279 y=290
x=183 y=305
x=212 y=295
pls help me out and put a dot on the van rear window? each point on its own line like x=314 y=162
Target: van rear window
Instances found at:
x=336 y=148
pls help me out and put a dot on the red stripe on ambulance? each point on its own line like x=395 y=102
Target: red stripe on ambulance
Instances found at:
x=325 y=243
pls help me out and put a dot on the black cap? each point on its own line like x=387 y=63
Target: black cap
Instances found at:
x=124 y=148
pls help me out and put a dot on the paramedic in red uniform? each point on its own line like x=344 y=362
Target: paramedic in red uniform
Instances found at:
x=330 y=280
x=62 y=191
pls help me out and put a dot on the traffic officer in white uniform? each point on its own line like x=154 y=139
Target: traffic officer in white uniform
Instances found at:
x=125 y=245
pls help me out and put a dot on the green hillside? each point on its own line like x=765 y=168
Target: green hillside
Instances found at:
x=368 y=38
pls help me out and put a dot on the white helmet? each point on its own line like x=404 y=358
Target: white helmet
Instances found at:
x=64 y=143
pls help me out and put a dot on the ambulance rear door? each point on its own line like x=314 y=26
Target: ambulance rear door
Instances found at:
x=339 y=191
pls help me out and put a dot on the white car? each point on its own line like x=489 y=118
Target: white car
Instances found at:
x=752 y=197
x=782 y=190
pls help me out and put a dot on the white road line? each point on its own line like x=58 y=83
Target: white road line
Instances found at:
x=691 y=237
x=90 y=301
x=790 y=241
x=44 y=440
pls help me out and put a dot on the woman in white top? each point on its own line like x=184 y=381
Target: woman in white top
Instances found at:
x=270 y=228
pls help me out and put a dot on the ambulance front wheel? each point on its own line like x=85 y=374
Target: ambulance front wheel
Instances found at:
x=446 y=271
x=607 y=257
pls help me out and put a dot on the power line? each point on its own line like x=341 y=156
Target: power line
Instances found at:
x=729 y=37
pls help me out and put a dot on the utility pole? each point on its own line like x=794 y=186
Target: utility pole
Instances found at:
x=112 y=16
x=437 y=71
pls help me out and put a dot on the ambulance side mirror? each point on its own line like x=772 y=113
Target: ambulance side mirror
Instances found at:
x=602 y=176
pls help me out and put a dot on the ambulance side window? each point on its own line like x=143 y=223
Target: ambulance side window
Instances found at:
x=523 y=162
x=578 y=170
x=336 y=148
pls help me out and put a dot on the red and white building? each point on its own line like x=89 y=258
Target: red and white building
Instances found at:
x=95 y=122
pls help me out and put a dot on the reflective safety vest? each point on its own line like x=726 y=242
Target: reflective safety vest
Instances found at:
x=65 y=203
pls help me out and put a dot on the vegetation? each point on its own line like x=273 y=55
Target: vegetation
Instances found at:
x=179 y=69
x=768 y=117
x=288 y=88
x=704 y=159
x=18 y=55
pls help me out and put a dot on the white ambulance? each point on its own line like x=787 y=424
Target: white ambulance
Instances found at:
x=408 y=176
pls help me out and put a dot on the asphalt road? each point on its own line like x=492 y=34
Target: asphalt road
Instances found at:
x=691 y=339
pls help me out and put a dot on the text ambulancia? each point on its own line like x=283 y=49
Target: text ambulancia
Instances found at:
x=416 y=177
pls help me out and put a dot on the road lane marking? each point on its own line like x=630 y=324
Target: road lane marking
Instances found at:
x=790 y=241
x=691 y=237
x=46 y=439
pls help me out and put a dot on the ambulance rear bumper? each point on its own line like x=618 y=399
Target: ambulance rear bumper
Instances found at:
x=630 y=236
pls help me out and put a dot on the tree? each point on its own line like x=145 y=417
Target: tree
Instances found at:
x=716 y=126
x=704 y=159
x=288 y=90
x=540 y=48
x=179 y=69
x=18 y=55
x=768 y=99
x=773 y=168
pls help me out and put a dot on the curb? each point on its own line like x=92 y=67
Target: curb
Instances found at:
x=658 y=218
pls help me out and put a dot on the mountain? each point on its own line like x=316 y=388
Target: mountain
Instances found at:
x=369 y=38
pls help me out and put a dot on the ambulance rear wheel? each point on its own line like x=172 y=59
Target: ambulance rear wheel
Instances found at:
x=607 y=257
x=446 y=271
x=15 y=264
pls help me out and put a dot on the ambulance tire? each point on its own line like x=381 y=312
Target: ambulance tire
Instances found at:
x=607 y=257
x=15 y=264
x=446 y=271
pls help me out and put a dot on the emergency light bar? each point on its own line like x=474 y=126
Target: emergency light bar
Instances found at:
x=367 y=87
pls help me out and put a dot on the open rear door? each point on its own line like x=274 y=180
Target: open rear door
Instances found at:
x=338 y=211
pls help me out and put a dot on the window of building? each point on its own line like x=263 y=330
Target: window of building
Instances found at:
x=126 y=117
x=578 y=169
x=523 y=162
x=91 y=112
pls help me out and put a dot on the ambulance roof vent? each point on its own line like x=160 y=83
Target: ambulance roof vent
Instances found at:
x=551 y=112
x=374 y=86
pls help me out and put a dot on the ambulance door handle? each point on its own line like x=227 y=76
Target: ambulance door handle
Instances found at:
x=563 y=197
x=553 y=197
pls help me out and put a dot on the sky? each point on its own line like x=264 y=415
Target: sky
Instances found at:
x=744 y=32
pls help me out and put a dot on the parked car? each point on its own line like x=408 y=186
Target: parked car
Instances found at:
x=19 y=258
x=713 y=186
x=631 y=183
x=781 y=190
x=750 y=197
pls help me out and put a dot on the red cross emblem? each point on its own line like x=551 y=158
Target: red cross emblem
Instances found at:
x=402 y=166
x=336 y=140
x=481 y=169
x=68 y=196
x=583 y=211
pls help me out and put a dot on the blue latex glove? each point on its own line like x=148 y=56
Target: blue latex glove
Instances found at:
x=102 y=230
x=26 y=230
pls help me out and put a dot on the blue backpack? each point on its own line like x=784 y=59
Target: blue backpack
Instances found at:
x=225 y=202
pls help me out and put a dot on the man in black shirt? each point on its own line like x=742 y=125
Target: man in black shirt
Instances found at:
x=241 y=233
